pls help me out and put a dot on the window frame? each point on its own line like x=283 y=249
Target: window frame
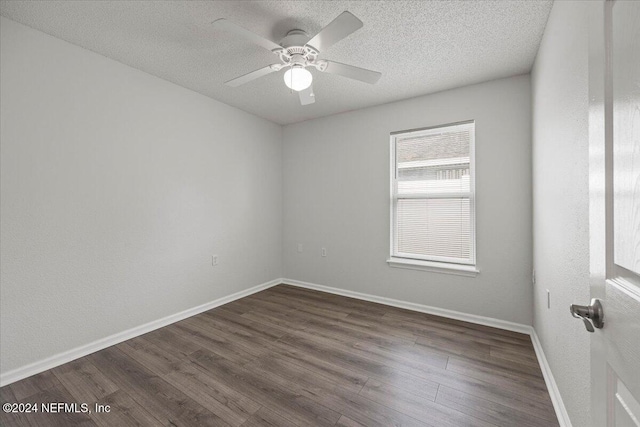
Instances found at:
x=432 y=263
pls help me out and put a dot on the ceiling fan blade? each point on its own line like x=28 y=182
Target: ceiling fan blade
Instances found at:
x=345 y=24
x=352 y=72
x=243 y=32
x=252 y=75
x=307 y=96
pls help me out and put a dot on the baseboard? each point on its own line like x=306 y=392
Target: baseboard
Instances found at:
x=67 y=356
x=451 y=314
x=552 y=387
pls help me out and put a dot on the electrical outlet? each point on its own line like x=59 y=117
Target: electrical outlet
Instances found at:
x=214 y=260
x=299 y=248
x=548 y=299
x=324 y=252
x=533 y=276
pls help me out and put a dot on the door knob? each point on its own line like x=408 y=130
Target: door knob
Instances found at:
x=589 y=314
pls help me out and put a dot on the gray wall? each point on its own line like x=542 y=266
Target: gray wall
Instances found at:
x=561 y=200
x=336 y=195
x=117 y=187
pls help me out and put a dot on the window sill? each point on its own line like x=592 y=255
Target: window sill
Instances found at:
x=434 y=267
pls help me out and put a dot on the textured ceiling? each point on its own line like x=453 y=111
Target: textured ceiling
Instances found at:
x=419 y=46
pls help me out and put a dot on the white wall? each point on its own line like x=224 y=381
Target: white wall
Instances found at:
x=336 y=195
x=117 y=187
x=561 y=201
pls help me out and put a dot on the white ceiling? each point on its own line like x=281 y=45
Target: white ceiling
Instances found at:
x=420 y=47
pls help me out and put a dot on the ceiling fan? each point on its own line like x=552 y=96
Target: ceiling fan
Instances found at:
x=297 y=52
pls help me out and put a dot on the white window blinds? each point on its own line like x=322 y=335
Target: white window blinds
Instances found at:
x=433 y=194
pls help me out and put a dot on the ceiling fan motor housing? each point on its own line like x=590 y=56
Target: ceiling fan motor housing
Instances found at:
x=296 y=53
x=298 y=59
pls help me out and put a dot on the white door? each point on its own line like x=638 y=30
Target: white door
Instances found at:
x=614 y=174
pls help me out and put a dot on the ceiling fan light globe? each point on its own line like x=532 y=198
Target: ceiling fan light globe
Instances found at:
x=298 y=78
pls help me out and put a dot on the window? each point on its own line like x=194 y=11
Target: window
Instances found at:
x=433 y=203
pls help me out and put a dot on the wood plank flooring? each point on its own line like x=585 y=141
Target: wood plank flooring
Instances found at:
x=294 y=357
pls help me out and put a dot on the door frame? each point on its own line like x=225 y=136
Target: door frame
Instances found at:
x=600 y=185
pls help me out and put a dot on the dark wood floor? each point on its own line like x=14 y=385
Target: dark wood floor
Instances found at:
x=294 y=357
